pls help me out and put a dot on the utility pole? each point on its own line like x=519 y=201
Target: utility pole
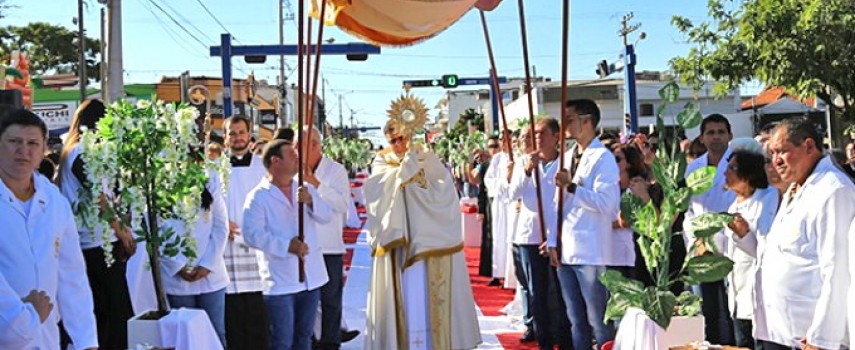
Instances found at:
x=81 y=52
x=103 y=47
x=340 y=115
x=115 y=66
x=630 y=105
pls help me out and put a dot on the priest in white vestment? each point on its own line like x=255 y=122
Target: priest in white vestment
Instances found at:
x=420 y=296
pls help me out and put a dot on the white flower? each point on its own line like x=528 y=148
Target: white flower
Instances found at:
x=143 y=104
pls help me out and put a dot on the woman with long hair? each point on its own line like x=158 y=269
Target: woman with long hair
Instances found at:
x=109 y=284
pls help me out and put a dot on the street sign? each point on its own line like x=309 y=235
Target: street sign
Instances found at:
x=450 y=81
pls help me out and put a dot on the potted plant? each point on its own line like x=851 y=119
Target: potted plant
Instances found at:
x=653 y=226
x=142 y=166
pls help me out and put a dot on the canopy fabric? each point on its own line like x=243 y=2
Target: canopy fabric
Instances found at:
x=393 y=22
x=487 y=5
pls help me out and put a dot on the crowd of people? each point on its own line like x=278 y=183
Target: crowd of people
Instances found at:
x=244 y=277
x=264 y=286
x=793 y=207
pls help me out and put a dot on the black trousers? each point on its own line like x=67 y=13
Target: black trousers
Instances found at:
x=485 y=264
x=247 y=326
x=331 y=305
x=110 y=296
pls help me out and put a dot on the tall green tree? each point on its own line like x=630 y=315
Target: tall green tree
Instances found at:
x=52 y=49
x=805 y=46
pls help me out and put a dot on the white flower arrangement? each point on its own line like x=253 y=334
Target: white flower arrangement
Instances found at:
x=143 y=160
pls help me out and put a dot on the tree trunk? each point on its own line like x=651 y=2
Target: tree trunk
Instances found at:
x=153 y=242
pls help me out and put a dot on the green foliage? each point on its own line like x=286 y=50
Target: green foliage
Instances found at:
x=52 y=49
x=354 y=154
x=653 y=226
x=801 y=45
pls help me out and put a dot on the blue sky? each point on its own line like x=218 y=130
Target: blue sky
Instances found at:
x=155 y=46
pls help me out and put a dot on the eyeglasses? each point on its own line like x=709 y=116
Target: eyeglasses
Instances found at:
x=619 y=159
x=395 y=140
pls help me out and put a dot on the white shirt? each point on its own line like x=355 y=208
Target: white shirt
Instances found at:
x=527 y=230
x=805 y=267
x=211 y=231
x=587 y=237
x=334 y=188
x=759 y=211
x=33 y=249
x=242 y=260
x=271 y=223
x=70 y=189
x=716 y=200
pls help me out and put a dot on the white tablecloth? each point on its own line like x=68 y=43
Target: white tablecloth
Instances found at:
x=188 y=329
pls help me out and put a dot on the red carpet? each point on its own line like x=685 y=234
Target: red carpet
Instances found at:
x=492 y=299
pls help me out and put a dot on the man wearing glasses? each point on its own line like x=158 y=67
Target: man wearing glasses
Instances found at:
x=591 y=190
x=419 y=282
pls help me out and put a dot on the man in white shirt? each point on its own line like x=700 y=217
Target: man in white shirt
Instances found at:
x=591 y=190
x=715 y=135
x=246 y=316
x=549 y=324
x=805 y=264
x=330 y=178
x=296 y=270
x=39 y=238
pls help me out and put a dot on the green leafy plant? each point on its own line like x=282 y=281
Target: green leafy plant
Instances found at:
x=354 y=154
x=144 y=160
x=653 y=226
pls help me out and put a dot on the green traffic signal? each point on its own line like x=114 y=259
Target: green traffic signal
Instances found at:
x=449 y=81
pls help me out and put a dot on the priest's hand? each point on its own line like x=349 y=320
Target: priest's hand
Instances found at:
x=298 y=248
x=532 y=161
x=41 y=302
x=562 y=178
x=304 y=196
x=234 y=230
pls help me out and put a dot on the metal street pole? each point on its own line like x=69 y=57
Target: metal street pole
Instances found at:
x=283 y=86
x=81 y=53
x=103 y=47
x=115 y=65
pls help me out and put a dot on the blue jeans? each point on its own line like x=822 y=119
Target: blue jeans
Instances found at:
x=292 y=317
x=586 y=300
x=213 y=303
x=331 y=294
x=522 y=278
x=537 y=270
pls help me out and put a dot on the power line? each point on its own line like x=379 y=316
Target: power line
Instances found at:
x=178 y=24
x=172 y=34
x=215 y=18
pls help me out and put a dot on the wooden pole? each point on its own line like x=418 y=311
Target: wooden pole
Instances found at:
x=301 y=19
x=494 y=79
x=316 y=73
x=565 y=44
x=529 y=91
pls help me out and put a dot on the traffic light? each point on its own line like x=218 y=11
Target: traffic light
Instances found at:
x=603 y=69
x=423 y=83
x=449 y=81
